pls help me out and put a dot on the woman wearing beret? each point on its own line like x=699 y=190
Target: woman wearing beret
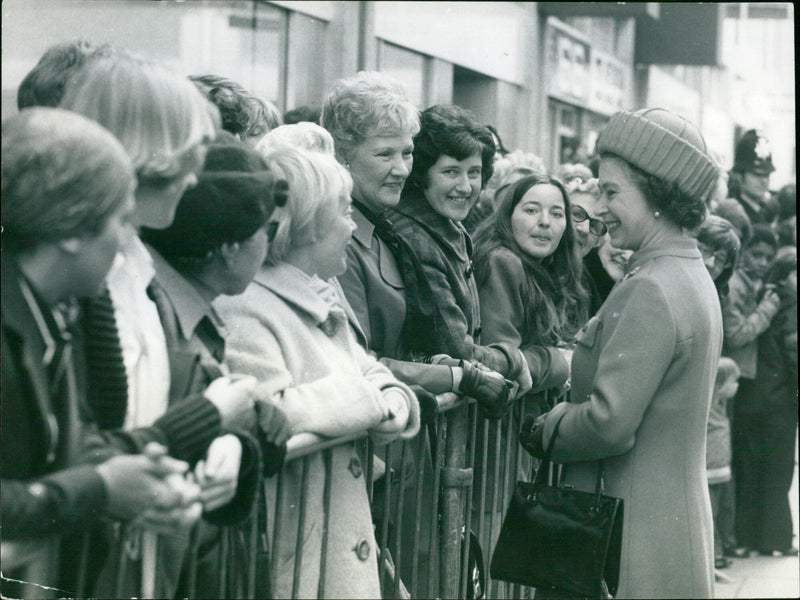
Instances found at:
x=643 y=368
x=292 y=330
x=214 y=247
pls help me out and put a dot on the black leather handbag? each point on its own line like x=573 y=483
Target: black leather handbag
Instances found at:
x=558 y=538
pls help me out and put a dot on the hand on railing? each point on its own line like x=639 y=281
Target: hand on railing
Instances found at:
x=428 y=404
x=493 y=392
x=273 y=422
x=218 y=474
x=234 y=396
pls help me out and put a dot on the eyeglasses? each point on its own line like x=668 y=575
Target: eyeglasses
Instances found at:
x=579 y=215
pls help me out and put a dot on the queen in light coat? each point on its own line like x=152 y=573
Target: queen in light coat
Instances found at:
x=643 y=367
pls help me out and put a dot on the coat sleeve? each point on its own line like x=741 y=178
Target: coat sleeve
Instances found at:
x=503 y=310
x=637 y=338
x=334 y=405
x=740 y=325
x=396 y=398
x=65 y=501
x=186 y=429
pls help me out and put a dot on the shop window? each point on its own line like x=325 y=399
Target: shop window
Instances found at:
x=242 y=40
x=405 y=65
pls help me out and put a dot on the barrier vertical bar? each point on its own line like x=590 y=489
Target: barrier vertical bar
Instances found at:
x=326 y=515
x=452 y=502
x=301 y=527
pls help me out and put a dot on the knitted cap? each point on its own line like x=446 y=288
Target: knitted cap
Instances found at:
x=753 y=154
x=234 y=196
x=662 y=144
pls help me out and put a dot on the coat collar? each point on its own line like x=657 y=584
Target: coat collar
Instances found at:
x=364 y=228
x=681 y=246
x=190 y=307
x=32 y=323
x=294 y=287
x=299 y=291
x=446 y=232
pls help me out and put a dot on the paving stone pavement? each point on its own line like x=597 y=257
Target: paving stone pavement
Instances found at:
x=762 y=576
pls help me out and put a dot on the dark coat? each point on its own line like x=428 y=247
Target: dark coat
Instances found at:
x=43 y=493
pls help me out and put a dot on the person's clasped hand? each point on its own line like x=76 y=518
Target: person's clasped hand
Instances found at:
x=218 y=474
x=235 y=397
x=150 y=488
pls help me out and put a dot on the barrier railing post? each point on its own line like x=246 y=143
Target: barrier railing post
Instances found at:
x=454 y=478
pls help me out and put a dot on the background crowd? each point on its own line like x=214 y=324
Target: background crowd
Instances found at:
x=190 y=278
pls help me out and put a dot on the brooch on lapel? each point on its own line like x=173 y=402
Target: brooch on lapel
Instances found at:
x=329 y=325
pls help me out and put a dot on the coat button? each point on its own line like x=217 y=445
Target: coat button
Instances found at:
x=362 y=550
x=355 y=467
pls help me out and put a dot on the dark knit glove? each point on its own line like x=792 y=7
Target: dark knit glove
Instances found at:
x=491 y=390
x=428 y=405
x=273 y=431
x=531 y=436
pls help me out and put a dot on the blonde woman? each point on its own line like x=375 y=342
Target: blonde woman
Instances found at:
x=293 y=330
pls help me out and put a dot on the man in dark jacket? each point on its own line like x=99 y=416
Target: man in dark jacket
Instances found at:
x=67 y=193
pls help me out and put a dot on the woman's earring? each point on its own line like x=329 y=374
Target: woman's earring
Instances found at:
x=657 y=214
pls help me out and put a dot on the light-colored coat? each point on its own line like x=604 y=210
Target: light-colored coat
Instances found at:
x=642 y=378
x=301 y=346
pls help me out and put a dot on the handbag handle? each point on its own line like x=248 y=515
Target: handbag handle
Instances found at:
x=599 y=488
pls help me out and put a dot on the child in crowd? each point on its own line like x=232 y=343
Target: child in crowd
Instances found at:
x=718 y=461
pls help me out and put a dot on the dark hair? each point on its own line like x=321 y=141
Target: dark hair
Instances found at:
x=446 y=129
x=762 y=234
x=243 y=114
x=732 y=211
x=787 y=201
x=784 y=263
x=720 y=234
x=44 y=84
x=302 y=114
x=500 y=147
x=665 y=196
x=557 y=302
x=787 y=232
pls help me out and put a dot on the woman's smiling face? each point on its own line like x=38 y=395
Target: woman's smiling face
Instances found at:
x=539 y=220
x=379 y=167
x=454 y=185
x=623 y=206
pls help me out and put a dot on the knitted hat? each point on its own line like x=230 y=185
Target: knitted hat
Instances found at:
x=234 y=196
x=662 y=144
x=753 y=154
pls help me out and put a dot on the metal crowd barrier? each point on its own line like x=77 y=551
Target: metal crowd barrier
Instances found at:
x=432 y=498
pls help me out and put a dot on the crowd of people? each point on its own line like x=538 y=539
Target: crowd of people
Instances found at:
x=190 y=278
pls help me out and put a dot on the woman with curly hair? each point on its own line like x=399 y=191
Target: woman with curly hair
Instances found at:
x=453 y=156
x=643 y=367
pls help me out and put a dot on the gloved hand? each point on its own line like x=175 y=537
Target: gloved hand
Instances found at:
x=273 y=431
x=428 y=405
x=493 y=392
x=531 y=435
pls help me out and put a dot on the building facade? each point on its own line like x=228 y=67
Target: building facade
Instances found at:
x=547 y=75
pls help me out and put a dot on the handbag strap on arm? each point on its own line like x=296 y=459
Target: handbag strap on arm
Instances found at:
x=600 y=484
x=543 y=466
